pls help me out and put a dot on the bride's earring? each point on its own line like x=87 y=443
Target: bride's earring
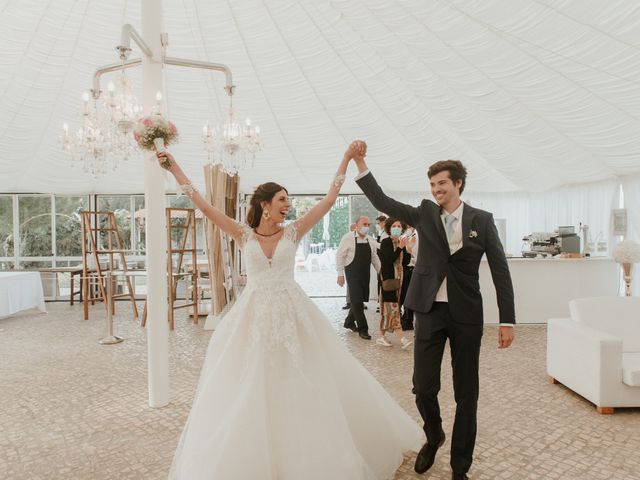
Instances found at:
x=266 y=215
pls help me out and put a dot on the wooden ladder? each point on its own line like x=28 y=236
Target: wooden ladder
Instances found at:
x=186 y=229
x=92 y=248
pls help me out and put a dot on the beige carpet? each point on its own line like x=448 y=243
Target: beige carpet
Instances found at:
x=73 y=409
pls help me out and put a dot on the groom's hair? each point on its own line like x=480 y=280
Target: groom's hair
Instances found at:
x=456 y=169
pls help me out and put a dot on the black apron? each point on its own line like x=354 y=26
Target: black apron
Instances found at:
x=358 y=273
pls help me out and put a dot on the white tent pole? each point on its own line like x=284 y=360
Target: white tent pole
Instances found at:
x=154 y=198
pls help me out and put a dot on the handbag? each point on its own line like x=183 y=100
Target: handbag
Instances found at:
x=391 y=285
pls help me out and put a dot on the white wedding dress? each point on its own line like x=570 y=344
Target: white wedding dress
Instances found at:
x=281 y=398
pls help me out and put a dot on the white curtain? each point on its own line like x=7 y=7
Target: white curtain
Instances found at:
x=631 y=190
x=222 y=192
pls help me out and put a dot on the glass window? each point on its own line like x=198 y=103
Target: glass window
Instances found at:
x=183 y=201
x=34 y=264
x=34 y=213
x=139 y=242
x=120 y=205
x=68 y=225
x=6 y=226
x=7 y=265
x=338 y=224
x=327 y=232
x=360 y=205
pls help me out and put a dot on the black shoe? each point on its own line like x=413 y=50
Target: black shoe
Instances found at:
x=365 y=307
x=459 y=476
x=351 y=326
x=346 y=306
x=427 y=455
x=365 y=335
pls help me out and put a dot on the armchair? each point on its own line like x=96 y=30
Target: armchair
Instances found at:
x=596 y=352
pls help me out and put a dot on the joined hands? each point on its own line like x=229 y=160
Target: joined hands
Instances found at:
x=357 y=150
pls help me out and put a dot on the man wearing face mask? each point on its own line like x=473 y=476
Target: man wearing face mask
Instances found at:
x=356 y=253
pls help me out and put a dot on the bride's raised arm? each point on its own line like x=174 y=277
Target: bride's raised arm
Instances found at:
x=217 y=216
x=320 y=209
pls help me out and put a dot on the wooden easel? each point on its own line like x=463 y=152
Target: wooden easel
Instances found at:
x=175 y=274
x=93 y=240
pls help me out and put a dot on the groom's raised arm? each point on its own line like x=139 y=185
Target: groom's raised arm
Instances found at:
x=382 y=202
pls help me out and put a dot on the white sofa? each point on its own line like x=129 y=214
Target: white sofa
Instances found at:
x=596 y=352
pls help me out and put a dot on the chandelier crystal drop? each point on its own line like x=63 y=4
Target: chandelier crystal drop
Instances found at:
x=105 y=135
x=233 y=145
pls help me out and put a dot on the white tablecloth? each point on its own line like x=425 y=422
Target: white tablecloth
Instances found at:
x=20 y=291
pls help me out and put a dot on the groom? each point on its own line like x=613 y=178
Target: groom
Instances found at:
x=445 y=296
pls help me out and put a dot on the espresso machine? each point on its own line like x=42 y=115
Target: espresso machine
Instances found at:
x=544 y=244
x=540 y=244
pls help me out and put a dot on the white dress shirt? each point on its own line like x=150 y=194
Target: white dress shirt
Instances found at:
x=455 y=244
x=347 y=251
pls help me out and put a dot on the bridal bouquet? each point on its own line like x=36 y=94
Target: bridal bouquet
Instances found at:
x=155 y=132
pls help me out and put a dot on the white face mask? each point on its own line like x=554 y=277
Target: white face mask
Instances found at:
x=396 y=231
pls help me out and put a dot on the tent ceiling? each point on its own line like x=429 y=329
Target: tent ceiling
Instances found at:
x=530 y=94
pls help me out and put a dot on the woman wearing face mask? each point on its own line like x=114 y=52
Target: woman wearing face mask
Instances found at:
x=393 y=256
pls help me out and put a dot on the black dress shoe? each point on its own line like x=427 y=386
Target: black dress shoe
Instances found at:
x=365 y=335
x=427 y=455
x=346 y=306
x=459 y=476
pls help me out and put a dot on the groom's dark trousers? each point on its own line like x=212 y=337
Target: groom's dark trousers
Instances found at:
x=432 y=330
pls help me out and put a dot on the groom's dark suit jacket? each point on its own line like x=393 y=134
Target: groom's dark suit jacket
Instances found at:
x=435 y=262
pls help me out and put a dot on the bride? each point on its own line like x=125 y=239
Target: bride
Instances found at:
x=280 y=397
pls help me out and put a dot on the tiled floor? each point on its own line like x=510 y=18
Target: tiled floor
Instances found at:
x=73 y=409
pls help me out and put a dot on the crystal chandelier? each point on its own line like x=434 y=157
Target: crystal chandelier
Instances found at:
x=232 y=145
x=123 y=110
x=105 y=136
x=88 y=146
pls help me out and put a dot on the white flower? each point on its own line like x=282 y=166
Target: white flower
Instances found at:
x=473 y=234
x=627 y=251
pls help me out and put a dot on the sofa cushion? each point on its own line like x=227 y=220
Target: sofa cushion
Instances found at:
x=618 y=316
x=631 y=369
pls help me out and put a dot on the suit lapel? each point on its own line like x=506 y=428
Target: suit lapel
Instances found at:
x=440 y=229
x=468 y=212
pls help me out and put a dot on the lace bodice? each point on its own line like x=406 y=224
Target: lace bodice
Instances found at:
x=262 y=270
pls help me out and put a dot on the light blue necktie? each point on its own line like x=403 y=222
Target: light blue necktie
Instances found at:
x=450 y=223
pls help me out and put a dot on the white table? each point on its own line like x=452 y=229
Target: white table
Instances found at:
x=544 y=287
x=20 y=291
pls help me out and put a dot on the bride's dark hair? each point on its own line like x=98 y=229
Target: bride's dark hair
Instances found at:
x=263 y=193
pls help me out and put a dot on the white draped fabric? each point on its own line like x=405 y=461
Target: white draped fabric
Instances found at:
x=20 y=291
x=631 y=188
x=531 y=94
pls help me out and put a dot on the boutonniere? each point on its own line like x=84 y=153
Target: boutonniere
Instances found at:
x=473 y=234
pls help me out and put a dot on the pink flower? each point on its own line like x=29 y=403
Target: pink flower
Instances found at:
x=172 y=128
x=147 y=121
